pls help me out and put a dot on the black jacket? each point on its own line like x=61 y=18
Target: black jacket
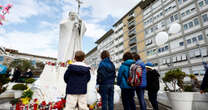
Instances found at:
x=204 y=84
x=153 y=83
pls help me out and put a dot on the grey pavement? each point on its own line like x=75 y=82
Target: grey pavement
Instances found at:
x=119 y=106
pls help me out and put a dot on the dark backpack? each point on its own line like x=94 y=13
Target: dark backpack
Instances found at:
x=135 y=75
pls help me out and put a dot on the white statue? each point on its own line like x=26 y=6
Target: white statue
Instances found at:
x=51 y=86
x=71 y=32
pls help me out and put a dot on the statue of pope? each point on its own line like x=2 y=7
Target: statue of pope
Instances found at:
x=72 y=30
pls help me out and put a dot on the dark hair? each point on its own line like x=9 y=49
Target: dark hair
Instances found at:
x=79 y=56
x=136 y=56
x=104 y=54
x=127 y=56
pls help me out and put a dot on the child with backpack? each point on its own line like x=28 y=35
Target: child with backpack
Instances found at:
x=140 y=70
x=127 y=92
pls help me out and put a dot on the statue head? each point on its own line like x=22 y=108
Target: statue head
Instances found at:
x=73 y=15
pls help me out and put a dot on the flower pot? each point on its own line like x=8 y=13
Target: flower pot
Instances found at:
x=18 y=93
x=188 y=100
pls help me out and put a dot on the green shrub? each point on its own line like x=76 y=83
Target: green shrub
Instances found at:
x=14 y=101
x=188 y=88
x=175 y=78
x=30 y=80
x=19 y=87
x=28 y=93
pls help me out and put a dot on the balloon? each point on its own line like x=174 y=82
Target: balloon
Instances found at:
x=174 y=28
x=91 y=96
x=3 y=69
x=116 y=97
x=161 y=38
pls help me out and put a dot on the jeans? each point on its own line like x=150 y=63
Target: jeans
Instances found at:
x=127 y=96
x=107 y=95
x=153 y=99
x=140 y=95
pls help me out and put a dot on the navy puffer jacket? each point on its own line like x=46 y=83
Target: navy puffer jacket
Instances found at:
x=106 y=72
x=77 y=76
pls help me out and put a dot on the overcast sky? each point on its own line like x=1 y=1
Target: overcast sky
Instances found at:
x=32 y=26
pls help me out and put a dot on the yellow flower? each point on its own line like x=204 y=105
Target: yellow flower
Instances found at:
x=91 y=106
x=69 y=62
x=25 y=100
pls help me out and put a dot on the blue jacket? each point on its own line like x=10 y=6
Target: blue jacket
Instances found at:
x=77 y=76
x=144 y=74
x=124 y=70
x=106 y=72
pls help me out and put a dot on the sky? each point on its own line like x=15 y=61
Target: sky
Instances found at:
x=32 y=26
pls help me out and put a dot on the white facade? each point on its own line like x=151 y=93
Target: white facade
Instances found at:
x=118 y=45
x=188 y=48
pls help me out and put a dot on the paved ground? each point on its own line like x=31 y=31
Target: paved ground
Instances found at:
x=119 y=106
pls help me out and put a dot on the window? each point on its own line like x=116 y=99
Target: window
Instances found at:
x=200 y=37
x=180 y=1
x=134 y=49
x=181 y=43
x=176 y=17
x=196 y=21
x=172 y=19
x=193 y=9
x=205 y=18
x=189 y=41
x=184 y=57
x=185 y=26
x=197 y=53
x=159 y=50
x=152 y=29
x=190 y=24
x=166 y=47
x=206 y=1
x=187 y=12
x=183 y=14
x=194 y=39
x=163 y=49
x=201 y=3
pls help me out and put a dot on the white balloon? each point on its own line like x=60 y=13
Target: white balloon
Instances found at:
x=91 y=96
x=161 y=38
x=174 y=28
x=116 y=97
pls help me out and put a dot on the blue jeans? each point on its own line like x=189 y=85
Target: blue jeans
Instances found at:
x=127 y=96
x=153 y=99
x=107 y=95
x=140 y=95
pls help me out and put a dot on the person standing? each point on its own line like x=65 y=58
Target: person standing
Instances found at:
x=153 y=84
x=29 y=73
x=140 y=89
x=16 y=75
x=127 y=92
x=204 y=84
x=105 y=81
x=76 y=77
